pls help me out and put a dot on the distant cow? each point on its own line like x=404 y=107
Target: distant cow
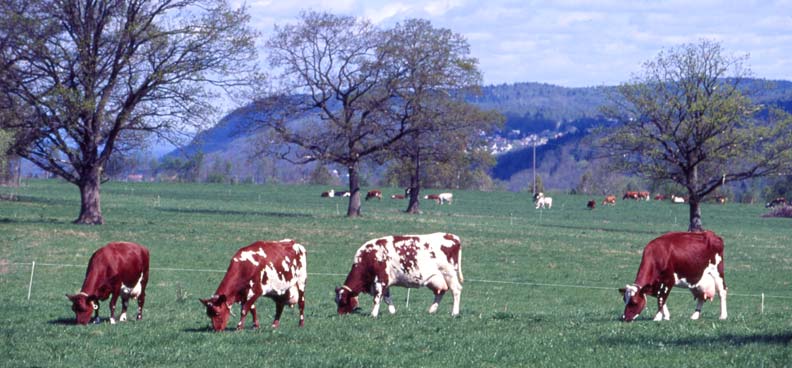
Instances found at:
x=659 y=197
x=117 y=269
x=329 y=194
x=441 y=198
x=397 y=196
x=275 y=269
x=591 y=204
x=374 y=194
x=675 y=199
x=609 y=200
x=412 y=261
x=780 y=201
x=343 y=193
x=542 y=201
x=630 y=195
x=693 y=260
x=720 y=199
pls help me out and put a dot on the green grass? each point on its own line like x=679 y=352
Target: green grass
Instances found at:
x=540 y=286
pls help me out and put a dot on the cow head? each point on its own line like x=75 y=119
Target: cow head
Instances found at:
x=218 y=310
x=83 y=306
x=346 y=300
x=634 y=302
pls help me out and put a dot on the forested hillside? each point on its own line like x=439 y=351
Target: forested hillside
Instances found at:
x=564 y=116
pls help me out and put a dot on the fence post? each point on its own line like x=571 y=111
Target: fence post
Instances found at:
x=30 y=285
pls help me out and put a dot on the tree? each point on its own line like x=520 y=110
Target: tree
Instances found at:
x=333 y=92
x=686 y=119
x=435 y=72
x=86 y=78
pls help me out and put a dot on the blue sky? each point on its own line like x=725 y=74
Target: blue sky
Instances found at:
x=575 y=43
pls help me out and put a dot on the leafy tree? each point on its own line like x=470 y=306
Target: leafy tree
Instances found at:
x=686 y=120
x=435 y=71
x=86 y=78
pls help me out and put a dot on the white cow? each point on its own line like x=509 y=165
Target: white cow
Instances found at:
x=675 y=199
x=542 y=201
x=445 y=197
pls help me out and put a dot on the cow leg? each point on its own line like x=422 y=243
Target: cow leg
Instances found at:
x=278 y=311
x=389 y=302
x=721 y=288
x=697 y=312
x=245 y=308
x=255 y=316
x=140 y=301
x=379 y=289
x=456 y=292
x=124 y=305
x=662 y=299
x=438 y=286
x=113 y=301
x=301 y=303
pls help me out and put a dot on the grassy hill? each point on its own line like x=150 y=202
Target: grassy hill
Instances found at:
x=540 y=285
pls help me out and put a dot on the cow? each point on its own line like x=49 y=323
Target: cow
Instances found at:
x=591 y=204
x=329 y=194
x=542 y=201
x=659 y=197
x=434 y=197
x=397 y=196
x=374 y=194
x=630 y=195
x=343 y=194
x=780 y=201
x=609 y=200
x=675 y=199
x=412 y=261
x=275 y=269
x=691 y=259
x=117 y=269
x=644 y=195
x=445 y=198
x=719 y=199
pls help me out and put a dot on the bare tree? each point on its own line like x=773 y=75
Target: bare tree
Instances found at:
x=88 y=77
x=334 y=90
x=686 y=120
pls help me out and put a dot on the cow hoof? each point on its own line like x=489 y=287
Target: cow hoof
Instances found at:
x=139 y=317
x=112 y=321
x=275 y=325
x=392 y=309
x=123 y=317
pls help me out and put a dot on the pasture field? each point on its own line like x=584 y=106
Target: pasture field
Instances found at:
x=540 y=285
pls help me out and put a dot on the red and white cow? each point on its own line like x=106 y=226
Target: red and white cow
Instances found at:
x=374 y=194
x=441 y=198
x=609 y=200
x=690 y=259
x=412 y=261
x=397 y=196
x=275 y=269
x=117 y=269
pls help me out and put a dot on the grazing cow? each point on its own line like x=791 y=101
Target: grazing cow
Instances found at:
x=434 y=197
x=542 y=201
x=780 y=201
x=630 y=195
x=694 y=260
x=275 y=269
x=644 y=195
x=445 y=198
x=374 y=194
x=120 y=269
x=591 y=204
x=412 y=261
x=397 y=196
x=329 y=194
x=675 y=199
x=609 y=200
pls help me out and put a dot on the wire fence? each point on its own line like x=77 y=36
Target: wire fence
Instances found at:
x=761 y=296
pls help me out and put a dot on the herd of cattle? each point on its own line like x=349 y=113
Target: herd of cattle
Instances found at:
x=279 y=270
x=376 y=193
x=610 y=200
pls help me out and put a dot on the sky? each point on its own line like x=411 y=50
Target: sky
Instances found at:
x=574 y=43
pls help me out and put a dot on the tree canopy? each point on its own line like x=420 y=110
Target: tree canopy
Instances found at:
x=84 y=79
x=686 y=119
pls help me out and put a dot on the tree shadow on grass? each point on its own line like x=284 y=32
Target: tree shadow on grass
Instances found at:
x=207 y=211
x=63 y=322
x=725 y=340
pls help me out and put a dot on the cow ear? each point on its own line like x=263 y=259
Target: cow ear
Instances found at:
x=206 y=302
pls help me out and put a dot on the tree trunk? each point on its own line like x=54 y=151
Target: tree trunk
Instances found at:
x=90 y=209
x=695 y=215
x=414 y=206
x=354 y=192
